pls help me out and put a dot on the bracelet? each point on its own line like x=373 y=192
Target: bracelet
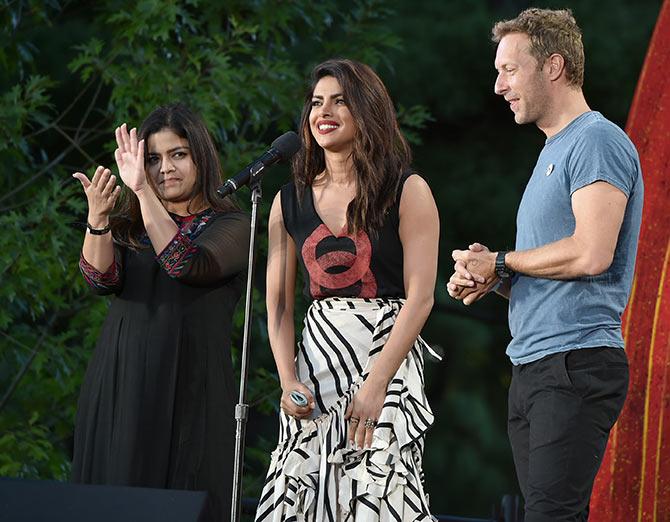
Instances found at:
x=97 y=231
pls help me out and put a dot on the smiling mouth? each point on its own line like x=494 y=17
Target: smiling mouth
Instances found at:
x=325 y=128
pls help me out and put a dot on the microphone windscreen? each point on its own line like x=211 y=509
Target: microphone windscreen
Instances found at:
x=287 y=145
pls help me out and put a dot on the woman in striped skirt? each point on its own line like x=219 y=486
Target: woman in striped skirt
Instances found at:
x=364 y=230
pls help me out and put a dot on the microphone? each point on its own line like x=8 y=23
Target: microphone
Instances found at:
x=281 y=150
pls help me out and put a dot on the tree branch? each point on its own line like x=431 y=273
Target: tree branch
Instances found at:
x=26 y=365
x=88 y=109
x=62 y=114
x=73 y=145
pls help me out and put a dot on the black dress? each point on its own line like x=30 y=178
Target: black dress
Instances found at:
x=156 y=405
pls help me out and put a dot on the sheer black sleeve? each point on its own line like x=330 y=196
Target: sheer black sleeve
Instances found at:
x=212 y=252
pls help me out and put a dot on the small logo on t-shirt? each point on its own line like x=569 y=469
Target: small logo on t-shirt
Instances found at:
x=550 y=169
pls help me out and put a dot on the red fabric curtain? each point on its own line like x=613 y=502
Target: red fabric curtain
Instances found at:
x=634 y=481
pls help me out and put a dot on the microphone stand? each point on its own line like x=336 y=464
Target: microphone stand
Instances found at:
x=242 y=409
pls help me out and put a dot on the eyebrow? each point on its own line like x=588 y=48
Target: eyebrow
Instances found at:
x=318 y=96
x=504 y=65
x=173 y=149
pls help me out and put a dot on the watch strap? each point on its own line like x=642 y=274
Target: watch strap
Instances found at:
x=502 y=270
x=97 y=231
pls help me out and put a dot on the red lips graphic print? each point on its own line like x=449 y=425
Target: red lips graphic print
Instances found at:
x=353 y=269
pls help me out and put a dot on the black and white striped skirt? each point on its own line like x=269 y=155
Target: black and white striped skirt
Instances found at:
x=315 y=474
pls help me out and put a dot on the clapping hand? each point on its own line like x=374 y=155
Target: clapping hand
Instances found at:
x=130 y=158
x=101 y=193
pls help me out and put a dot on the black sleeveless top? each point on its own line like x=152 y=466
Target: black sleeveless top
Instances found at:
x=344 y=265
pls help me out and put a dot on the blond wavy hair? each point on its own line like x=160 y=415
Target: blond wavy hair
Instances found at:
x=550 y=32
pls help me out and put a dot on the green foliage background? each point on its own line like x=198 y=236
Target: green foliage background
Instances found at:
x=71 y=71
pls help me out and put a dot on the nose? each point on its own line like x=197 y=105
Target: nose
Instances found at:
x=166 y=165
x=326 y=108
x=500 y=86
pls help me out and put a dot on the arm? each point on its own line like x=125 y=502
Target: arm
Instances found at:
x=97 y=260
x=101 y=193
x=280 y=299
x=160 y=227
x=103 y=283
x=130 y=159
x=419 y=233
x=218 y=252
x=598 y=209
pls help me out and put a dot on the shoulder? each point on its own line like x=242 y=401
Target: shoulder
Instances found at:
x=413 y=185
x=416 y=196
x=289 y=203
x=287 y=195
x=287 y=190
x=600 y=134
x=603 y=152
x=275 y=208
x=282 y=203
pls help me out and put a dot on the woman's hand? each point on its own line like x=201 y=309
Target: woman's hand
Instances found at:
x=130 y=158
x=290 y=407
x=364 y=411
x=101 y=193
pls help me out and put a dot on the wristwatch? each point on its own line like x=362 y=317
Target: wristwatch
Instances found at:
x=502 y=270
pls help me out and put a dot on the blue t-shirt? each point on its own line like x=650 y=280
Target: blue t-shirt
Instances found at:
x=548 y=316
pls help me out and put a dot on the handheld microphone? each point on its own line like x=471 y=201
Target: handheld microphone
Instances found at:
x=281 y=150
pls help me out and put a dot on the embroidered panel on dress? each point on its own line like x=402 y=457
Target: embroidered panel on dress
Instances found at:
x=100 y=280
x=176 y=255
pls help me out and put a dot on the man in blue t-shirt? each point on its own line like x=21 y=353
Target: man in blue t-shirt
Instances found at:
x=570 y=275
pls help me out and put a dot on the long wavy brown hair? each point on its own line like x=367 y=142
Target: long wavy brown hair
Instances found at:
x=380 y=153
x=127 y=224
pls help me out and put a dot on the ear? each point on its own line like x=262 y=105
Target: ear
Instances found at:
x=555 y=66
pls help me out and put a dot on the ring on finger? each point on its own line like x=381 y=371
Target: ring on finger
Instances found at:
x=354 y=420
x=370 y=424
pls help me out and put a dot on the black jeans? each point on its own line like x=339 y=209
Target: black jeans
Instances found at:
x=561 y=410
